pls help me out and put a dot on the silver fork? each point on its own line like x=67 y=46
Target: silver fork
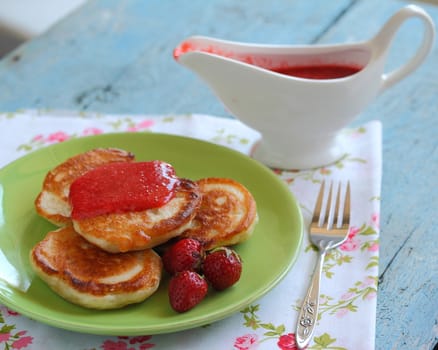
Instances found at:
x=325 y=236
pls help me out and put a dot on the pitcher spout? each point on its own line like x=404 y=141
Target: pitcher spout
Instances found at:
x=230 y=76
x=221 y=48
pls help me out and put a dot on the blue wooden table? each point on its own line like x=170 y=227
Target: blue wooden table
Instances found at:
x=116 y=57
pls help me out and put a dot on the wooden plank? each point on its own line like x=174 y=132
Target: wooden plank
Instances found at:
x=93 y=61
x=407 y=301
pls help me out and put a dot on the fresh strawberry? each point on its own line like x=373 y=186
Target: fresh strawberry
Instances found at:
x=186 y=290
x=185 y=254
x=222 y=268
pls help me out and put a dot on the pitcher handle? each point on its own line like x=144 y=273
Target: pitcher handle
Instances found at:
x=386 y=34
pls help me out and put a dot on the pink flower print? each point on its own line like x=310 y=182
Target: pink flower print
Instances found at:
x=91 y=131
x=356 y=134
x=246 y=342
x=371 y=295
x=38 y=137
x=374 y=247
x=351 y=244
x=12 y=313
x=369 y=281
x=353 y=232
x=323 y=299
x=324 y=171
x=22 y=342
x=342 y=312
x=58 y=136
x=143 y=340
x=139 y=339
x=4 y=337
x=112 y=345
x=145 y=124
x=287 y=342
x=123 y=345
x=347 y=296
x=375 y=219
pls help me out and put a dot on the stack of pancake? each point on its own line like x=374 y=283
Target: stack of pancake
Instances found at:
x=109 y=260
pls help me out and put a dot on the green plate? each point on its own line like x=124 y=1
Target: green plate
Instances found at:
x=267 y=255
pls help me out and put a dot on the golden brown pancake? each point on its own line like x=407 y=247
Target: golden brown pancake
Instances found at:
x=52 y=203
x=88 y=276
x=128 y=231
x=227 y=215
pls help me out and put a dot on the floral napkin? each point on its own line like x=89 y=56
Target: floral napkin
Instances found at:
x=349 y=288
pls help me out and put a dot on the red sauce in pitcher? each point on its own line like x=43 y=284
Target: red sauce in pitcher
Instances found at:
x=308 y=71
x=323 y=71
x=122 y=187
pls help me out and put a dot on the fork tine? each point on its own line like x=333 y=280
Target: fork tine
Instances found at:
x=337 y=205
x=346 y=214
x=318 y=205
x=328 y=217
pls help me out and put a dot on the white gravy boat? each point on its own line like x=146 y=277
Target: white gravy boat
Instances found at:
x=300 y=119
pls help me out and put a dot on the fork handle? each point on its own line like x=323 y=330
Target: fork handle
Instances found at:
x=309 y=310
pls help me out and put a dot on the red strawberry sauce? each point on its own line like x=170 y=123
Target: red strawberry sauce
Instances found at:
x=310 y=71
x=122 y=187
x=323 y=71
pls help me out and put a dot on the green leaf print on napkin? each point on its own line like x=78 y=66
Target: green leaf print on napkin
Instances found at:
x=279 y=334
x=324 y=342
x=8 y=337
x=361 y=290
x=228 y=139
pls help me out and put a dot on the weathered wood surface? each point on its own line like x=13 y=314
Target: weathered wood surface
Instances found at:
x=116 y=56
